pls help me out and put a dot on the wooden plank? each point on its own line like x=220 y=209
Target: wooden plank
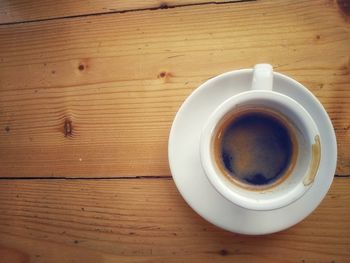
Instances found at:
x=15 y=11
x=147 y=221
x=112 y=84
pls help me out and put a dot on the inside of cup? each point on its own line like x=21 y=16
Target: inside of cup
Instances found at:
x=293 y=185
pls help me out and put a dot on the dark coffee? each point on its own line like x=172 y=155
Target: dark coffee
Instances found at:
x=255 y=148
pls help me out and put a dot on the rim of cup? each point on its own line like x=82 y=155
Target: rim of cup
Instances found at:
x=288 y=191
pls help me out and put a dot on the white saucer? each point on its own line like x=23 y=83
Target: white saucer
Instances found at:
x=192 y=182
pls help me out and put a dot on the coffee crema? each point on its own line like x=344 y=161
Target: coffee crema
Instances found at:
x=255 y=148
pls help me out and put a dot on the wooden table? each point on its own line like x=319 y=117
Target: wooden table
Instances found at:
x=88 y=92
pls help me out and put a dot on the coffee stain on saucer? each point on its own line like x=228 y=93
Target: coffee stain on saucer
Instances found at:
x=315 y=162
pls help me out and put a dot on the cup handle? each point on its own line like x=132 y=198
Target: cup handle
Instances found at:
x=262 y=77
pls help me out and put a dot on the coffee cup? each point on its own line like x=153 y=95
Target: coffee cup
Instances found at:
x=261 y=149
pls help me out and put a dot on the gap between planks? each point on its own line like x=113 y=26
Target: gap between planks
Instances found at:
x=160 y=7
x=166 y=177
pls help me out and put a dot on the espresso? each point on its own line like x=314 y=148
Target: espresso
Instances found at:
x=255 y=148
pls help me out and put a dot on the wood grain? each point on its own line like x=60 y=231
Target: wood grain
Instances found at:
x=96 y=96
x=15 y=11
x=146 y=220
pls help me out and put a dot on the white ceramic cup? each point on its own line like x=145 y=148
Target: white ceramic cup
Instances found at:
x=300 y=179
